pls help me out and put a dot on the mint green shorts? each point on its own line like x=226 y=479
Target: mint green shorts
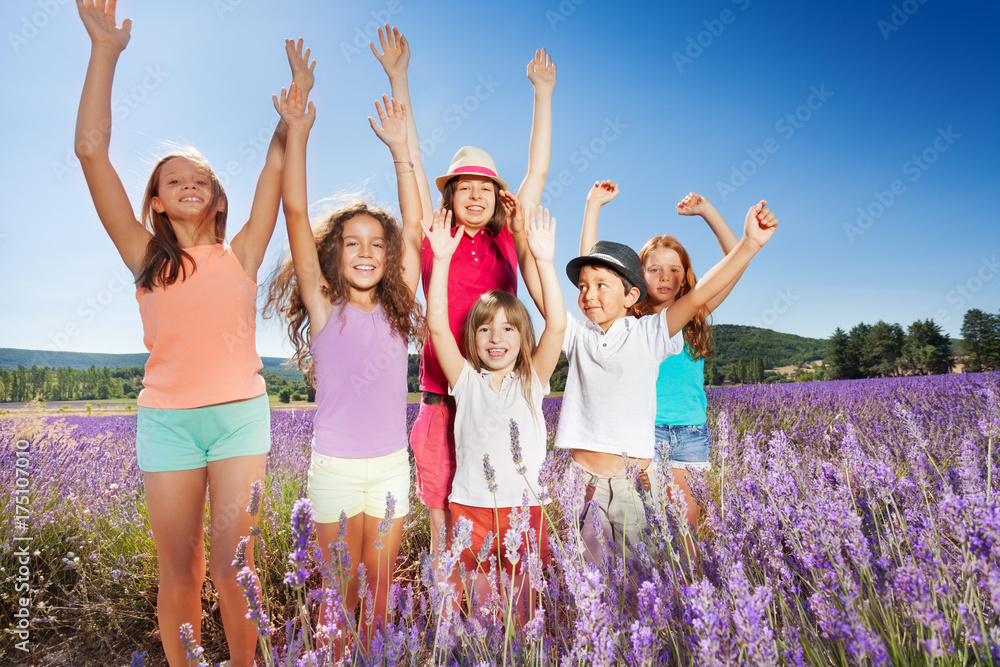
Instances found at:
x=168 y=440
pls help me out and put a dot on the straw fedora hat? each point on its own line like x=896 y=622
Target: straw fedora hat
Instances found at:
x=471 y=161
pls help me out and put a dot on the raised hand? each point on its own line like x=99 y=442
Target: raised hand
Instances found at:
x=541 y=232
x=693 y=204
x=602 y=193
x=393 y=119
x=292 y=108
x=760 y=223
x=542 y=71
x=443 y=244
x=302 y=69
x=99 y=19
x=395 y=56
x=513 y=212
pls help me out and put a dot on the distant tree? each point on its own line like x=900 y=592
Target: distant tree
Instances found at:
x=981 y=340
x=715 y=378
x=840 y=360
x=310 y=389
x=285 y=395
x=741 y=371
x=926 y=350
x=884 y=348
x=757 y=370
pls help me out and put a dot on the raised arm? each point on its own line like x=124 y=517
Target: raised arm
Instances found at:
x=250 y=243
x=393 y=133
x=758 y=229
x=695 y=204
x=395 y=59
x=305 y=258
x=599 y=195
x=541 y=235
x=93 y=131
x=443 y=245
x=542 y=74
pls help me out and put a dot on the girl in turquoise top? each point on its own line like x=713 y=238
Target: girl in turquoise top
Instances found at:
x=681 y=429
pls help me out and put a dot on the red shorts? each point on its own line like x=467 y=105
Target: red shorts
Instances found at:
x=433 y=442
x=484 y=520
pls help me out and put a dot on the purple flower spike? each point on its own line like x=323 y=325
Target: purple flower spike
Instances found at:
x=255 y=495
x=491 y=474
x=298 y=560
x=192 y=651
x=255 y=612
x=515 y=448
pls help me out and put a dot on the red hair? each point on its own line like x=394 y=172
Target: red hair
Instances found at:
x=697 y=332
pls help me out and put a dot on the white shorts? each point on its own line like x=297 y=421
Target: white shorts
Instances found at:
x=353 y=486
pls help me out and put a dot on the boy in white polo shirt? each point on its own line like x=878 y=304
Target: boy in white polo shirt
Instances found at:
x=609 y=405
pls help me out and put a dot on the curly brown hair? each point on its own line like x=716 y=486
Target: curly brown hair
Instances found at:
x=401 y=309
x=697 y=332
x=165 y=261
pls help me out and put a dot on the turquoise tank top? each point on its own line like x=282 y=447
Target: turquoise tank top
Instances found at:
x=680 y=391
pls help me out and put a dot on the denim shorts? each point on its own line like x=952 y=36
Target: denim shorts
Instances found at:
x=683 y=446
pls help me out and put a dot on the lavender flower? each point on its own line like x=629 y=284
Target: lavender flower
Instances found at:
x=491 y=474
x=515 y=448
x=255 y=612
x=298 y=559
x=192 y=651
x=255 y=495
x=241 y=554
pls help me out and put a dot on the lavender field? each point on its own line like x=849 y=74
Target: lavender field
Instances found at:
x=844 y=523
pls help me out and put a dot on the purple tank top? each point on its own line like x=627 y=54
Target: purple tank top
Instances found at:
x=360 y=385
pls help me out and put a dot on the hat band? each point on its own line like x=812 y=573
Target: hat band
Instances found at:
x=472 y=169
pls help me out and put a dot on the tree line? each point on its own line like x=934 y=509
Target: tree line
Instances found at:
x=885 y=350
x=69 y=384
x=981 y=340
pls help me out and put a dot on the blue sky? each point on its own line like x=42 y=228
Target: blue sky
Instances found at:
x=870 y=127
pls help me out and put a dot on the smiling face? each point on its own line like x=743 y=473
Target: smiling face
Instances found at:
x=498 y=343
x=474 y=201
x=663 y=271
x=602 y=296
x=363 y=259
x=185 y=191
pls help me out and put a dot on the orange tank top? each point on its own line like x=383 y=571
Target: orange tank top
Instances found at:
x=200 y=335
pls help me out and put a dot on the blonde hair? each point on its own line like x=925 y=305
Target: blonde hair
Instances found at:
x=485 y=309
x=697 y=332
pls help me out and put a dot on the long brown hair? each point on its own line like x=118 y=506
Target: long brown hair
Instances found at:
x=164 y=261
x=401 y=309
x=496 y=223
x=697 y=332
x=484 y=310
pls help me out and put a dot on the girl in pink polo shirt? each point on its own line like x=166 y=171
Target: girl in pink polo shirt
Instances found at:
x=347 y=292
x=499 y=381
x=203 y=421
x=486 y=258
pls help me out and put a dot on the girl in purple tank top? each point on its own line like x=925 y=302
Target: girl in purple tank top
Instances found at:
x=347 y=292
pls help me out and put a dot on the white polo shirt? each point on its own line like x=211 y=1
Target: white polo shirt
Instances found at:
x=482 y=426
x=609 y=404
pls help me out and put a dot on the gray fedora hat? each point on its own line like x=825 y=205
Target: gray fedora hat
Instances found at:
x=616 y=256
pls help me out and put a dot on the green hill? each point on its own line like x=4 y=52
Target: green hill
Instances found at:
x=733 y=342
x=11 y=357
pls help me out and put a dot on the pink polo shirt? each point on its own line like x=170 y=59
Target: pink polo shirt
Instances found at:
x=483 y=262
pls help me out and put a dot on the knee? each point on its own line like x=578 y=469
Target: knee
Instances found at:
x=184 y=577
x=223 y=573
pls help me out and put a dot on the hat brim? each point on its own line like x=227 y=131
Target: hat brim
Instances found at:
x=441 y=181
x=574 y=266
